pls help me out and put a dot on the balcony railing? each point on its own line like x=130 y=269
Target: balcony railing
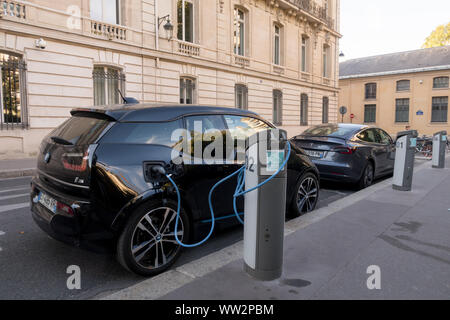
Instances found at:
x=12 y=9
x=188 y=48
x=311 y=7
x=242 y=61
x=108 y=31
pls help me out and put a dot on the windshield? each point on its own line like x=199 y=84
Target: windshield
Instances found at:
x=80 y=130
x=329 y=131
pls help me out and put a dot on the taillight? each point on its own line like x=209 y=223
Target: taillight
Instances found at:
x=77 y=167
x=344 y=150
x=64 y=208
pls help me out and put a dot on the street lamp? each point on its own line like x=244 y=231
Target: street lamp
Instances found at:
x=168 y=27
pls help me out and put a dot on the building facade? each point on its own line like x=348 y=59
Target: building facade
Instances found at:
x=274 y=57
x=400 y=91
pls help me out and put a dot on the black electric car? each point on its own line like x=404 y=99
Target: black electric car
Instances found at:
x=352 y=153
x=94 y=186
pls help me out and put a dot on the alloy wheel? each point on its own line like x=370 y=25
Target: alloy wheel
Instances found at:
x=307 y=195
x=153 y=244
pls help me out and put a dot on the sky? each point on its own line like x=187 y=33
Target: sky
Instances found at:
x=373 y=27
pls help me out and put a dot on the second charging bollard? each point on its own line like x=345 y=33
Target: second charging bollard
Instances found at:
x=439 y=146
x=404 y=160
x=265 y=207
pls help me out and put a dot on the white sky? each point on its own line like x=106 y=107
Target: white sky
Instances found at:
x=373 y=27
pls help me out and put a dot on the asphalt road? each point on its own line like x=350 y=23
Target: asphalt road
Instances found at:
x=33 y=266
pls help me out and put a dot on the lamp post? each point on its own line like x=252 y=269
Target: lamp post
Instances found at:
x=168 y=27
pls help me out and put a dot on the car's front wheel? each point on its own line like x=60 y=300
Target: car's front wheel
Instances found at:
x=147 y=245
x=306 y=196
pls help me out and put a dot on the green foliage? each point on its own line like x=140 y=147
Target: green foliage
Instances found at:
x=439 y=37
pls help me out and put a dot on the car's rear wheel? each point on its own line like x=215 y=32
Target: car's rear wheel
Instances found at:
x=367 y=177
x=147 y=245
x=306 y=195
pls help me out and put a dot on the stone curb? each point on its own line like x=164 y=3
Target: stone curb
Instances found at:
x=5 y=174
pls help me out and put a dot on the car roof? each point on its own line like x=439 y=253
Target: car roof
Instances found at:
x=143 y=112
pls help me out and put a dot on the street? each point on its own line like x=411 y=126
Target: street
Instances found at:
x=33 y=266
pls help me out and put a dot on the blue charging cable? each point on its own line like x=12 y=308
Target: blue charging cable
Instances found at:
x=238 y=193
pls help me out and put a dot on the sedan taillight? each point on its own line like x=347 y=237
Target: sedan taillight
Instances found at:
x=344 y=150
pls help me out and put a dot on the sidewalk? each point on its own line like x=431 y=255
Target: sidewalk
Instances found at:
x=17 y=168
x=327 y=253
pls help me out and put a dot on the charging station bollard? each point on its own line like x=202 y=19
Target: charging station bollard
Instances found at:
x=439 y=145
x=404 y=160
x=265 y=207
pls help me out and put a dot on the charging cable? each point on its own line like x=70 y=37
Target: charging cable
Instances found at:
x=238 y=193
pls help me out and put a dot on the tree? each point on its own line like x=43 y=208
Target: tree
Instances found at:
x=439 y=37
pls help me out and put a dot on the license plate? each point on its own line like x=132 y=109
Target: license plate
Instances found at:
x=47 y=202
x=315 y=154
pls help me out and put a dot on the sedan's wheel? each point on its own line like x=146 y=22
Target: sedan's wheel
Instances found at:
x=147 y=245
x=307 y=195
x=367 y=177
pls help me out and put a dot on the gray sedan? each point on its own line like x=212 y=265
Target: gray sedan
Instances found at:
x=353 y=153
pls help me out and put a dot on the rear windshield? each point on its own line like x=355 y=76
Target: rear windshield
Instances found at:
x=80 y=130
x=329 y=131
x=159 y=133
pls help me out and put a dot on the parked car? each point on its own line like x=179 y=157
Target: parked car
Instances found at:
x=93 y=187
x=353 y=153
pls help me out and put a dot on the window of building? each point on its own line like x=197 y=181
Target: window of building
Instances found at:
x=325 y=109
x=277 y=45
x=371 y=91
x=402 y=110
x=241 y=93
x=187 y=91
x=403 y=85
x=185 y=20
x=239 y=32
x=12 y=94
x=439 y=109
x=277 y=107
x=326 y=61
x=305 y=49
x=107 y=84
x=304 y=109
x=105 y=10
x=370 y=113
x=440 y=82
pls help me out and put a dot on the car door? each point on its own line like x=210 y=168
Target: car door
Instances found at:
x=206 y=168
x=371 y=140
x=389 y=147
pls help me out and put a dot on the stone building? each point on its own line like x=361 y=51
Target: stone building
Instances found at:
x=398 y=91
x=275 y=57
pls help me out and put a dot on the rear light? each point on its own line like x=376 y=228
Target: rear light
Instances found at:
x=344 y=150
x=77 y=167
x=64 y=208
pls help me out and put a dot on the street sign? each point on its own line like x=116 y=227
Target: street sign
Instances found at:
x=352 y=116
x=419 y=113
x=343 y=110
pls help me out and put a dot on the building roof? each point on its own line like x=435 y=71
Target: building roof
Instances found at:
x=396 y=63
x=158 y=112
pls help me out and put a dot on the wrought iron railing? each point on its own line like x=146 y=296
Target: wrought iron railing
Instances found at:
x=311 y=7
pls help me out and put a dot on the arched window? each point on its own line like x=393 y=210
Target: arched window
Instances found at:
x=440 y=82
x=108 y=81
x=187 y=90
x=277 y=107
x=13 y=100
x=403 y=85
x=304 y=109
x=325 y=109
x=241 y=93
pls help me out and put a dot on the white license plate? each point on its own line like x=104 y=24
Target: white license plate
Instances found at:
x=315 y=154
x=47 y=202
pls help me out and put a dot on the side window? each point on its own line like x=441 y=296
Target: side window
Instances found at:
x=202 y=131
x=158 y=133
x=368 y=136
x=244 y=126
x=385 y=138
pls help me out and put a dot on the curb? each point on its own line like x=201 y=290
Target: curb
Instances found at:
x=161 y=285
x=4 y=174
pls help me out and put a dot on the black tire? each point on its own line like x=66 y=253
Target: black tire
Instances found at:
x=368 y=176
x=306 y=195
x=144 y=247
